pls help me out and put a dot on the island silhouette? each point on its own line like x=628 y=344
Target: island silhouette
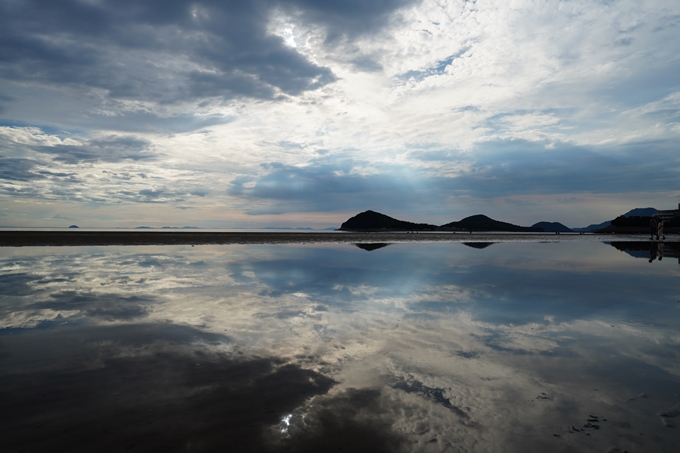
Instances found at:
x=375 y=221
x=635 y=221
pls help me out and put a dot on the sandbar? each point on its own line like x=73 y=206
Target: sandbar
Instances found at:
x=99 y=238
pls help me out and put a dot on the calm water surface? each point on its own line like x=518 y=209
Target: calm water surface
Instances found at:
x=506 y=347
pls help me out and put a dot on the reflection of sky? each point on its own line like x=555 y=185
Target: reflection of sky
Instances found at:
x=430 y=346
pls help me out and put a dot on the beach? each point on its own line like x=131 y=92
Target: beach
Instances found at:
x=84 y=238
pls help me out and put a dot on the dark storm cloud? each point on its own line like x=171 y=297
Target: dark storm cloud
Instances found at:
x=108 y=149
x=220 y=49
x=19 y=169
x=172 y=50
x=347 y=18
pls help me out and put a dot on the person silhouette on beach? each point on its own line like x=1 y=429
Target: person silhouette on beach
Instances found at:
x=653 y=228
x=659 y=230
x=652 y=251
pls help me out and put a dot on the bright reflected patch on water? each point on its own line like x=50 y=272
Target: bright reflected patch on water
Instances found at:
x=477 y=347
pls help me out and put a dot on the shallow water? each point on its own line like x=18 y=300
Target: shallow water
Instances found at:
x=483 y=347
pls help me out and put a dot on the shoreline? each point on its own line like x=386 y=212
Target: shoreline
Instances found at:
x=93 y=238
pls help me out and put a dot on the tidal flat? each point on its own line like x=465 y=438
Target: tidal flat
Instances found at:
x=54 y=238
x=533 y=344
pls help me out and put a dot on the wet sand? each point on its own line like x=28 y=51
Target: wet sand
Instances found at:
x=98 y=238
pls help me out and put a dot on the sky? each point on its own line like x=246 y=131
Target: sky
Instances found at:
x=248 y=114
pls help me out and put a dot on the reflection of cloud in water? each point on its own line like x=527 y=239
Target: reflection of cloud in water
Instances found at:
x=351 y=420
x=405 y=335
x=146 y=388
x=108 y=307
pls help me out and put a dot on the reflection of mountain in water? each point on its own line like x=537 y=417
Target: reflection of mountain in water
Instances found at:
x=648 y=250
x=371 y=247
x=478 y=245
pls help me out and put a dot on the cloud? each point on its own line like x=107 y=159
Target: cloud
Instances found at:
x=437 y=69
x=172 y=51
x=414 y=106
x=106 y=149
x=499 y=167
x=330 y=184
x=16 y=284
x=424 y=180
x=108 y=307
x=18 y=169
x=347 y=19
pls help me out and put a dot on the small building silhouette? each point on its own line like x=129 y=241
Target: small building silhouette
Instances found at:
x=669 y=213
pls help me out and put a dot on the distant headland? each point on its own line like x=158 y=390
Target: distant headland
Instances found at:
x=375 y=221
x=634 y=221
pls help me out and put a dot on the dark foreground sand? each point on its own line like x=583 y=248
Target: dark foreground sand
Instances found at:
x=78 y=238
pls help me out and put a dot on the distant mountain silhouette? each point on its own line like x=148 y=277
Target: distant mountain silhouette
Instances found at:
x=375 y=221
x=74 y=226
x=640 y=212
x=592 y=228
x=481 y=222
x=637 y=212
x=554 y=227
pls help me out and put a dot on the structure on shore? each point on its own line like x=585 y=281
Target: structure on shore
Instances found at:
x=669 y=214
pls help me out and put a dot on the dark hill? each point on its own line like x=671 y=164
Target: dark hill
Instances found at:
x=637 y=212
x=640 y=212
x=553 y=227
x=374 y=221
x=481 y=222
x=631 y=221
x=593 y=227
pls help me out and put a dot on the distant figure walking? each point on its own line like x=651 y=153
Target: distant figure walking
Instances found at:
x=653 y=228
x=659 y=230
